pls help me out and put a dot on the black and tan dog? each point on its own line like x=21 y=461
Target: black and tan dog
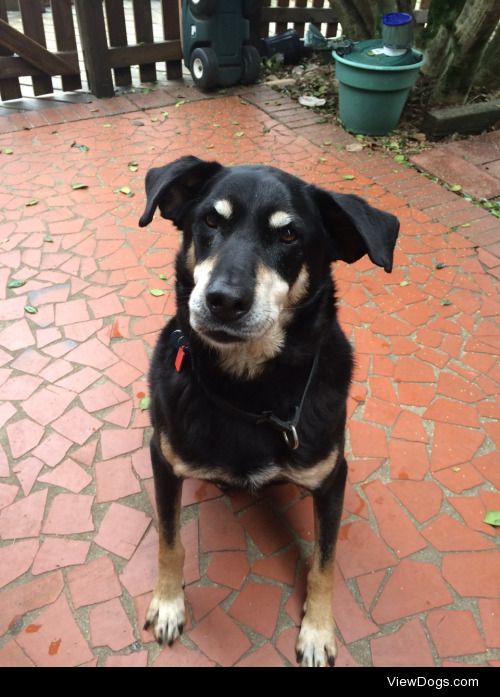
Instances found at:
x=249 y=380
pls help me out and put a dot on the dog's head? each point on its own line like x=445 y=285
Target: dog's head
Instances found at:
x=258 y=243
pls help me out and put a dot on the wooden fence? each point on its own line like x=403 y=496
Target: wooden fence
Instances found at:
x=319 y=12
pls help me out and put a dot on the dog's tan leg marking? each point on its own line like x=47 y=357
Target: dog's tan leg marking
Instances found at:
x=166 y=613
x=316 y=644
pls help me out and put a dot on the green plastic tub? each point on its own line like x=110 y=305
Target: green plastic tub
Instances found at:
x=374 y=88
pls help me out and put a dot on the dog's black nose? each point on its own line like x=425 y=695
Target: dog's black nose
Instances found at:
x=228 y=303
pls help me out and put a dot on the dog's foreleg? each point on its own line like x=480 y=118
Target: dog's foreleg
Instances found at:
x=166 y=612
x=316 y=643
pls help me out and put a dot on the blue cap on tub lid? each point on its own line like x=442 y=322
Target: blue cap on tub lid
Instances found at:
x=396 y=19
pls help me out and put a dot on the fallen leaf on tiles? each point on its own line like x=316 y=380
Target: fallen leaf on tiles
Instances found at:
x=32 y=202
x=125 y=190
x=133 y=166
x=456 y=469
x=144 y=403
x=78 y=185
x=440 y=265
x=30 y=309
x=156 y=292
x=7 y=151
x=154 y=119
x=163 y=277
x=165 y=114
x=80 y=146
x=445 y=302
x=456 y=187
x=180 y=102
x=492 y=518
x=404 y=283
x=348 y=176
x=48 y=238
x=106 y=125
x=239 y=134
x=16 y=283
x=328 y=142
x=354 y=147
x=399 y=158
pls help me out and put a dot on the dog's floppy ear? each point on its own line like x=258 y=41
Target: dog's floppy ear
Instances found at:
x=355 y=228
x=169 y=188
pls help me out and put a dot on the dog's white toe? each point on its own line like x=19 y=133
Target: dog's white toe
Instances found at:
x=166 y=618
x=316 y=646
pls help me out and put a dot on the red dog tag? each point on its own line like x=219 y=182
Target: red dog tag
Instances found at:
x=179 y=358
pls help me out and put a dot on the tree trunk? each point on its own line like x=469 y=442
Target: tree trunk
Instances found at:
x=361 y=19
x=487 y=78
x=454 y=52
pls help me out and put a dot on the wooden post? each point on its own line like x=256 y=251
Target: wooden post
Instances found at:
x=117 y=31
x=171 y=15
x=65 y=38
x=9 y=87
x=95 y=48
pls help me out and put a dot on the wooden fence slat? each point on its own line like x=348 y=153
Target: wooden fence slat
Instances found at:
x=281 y=26
x=31 y=14
x=94 y=44
x=300 y=26
x=172 y=32
x=144 y=53
x=9 y=87
x=65 y=38
x=264 y=27
x=34 y=53
x=14 y=66
x=143 y=21
x=318 y=4
x=117 y=30
x=298 y=15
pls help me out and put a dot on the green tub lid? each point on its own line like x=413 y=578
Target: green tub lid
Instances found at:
x=363 y=53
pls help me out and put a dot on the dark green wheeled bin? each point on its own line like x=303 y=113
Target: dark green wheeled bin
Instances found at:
x=216 y=42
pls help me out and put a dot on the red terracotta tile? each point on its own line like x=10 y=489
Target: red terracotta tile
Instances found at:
x=228 y=568
x=220 y=530
x=490 y=619
x=58 y=640
x=189 y=538
x=19 y=387
x=8 y=493
x=413 y=587
x=12 y=656
x=69 y=476
x=94 y=354
x=77 y=425
x=473 y=573
x=359 y=470
x=93 y=582
x=179 y=656
x=4 y=464
x=203 y=599
x=120 y=415
x=450 y=385
x=449 y=411
x=487 y=466
x=123 y=373
x=391 y=650
x=110 y=626
x=266 y=528
x=360 y=551
x=133 y=352
x=264 y=657
x=16 y=559
x=21 y=599
x=69 y=514
x=459 y=478
x=58 y=552
x=70 y=312
x=351 y=620
x=448 y=535
x=408 y=460
x=282 y=495
x=367 y=440
x=139 y=574
x=472 y=509
x=380 y=412
x=454 y=632
x=368 y=586
x=413 y=370
x=118 y=441
x=23 y=435
x=409 y=427
x=454 y=445
x=104 y=307
x=115 y=479
x=193 y=490
x=13 y=308
x=122 y=529
x=105 y=395
x=415 y=394
x=81 y=331
x=23 y=518
x=366 y=342
x=281 y=567
x=393 y=524
x=86 y=454
x=79 y=380
x=48 y=404
x=27 y=471
x=138 y=659
x=422 y=499
x=220 y=638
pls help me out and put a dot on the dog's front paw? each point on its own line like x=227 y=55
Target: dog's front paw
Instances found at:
x=166 y=618
x=316 y=646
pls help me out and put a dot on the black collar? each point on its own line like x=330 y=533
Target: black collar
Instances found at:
x=287 y=427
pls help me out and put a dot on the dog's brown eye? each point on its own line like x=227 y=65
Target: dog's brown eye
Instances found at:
x=287 y=235
x=211 y=220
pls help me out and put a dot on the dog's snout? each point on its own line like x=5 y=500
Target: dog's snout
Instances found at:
x=228 y=303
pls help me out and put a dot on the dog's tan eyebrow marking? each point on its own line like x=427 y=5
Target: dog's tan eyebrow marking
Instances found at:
x=279 y=219
x=224 y=208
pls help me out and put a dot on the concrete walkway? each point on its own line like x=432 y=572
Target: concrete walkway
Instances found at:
x=418 y=570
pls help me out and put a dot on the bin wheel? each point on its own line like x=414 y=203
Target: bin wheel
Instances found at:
x=250 y=7
x=204 y=68
x=202 y=8
x=251 y=65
